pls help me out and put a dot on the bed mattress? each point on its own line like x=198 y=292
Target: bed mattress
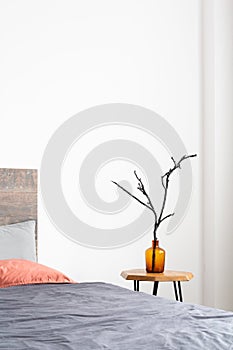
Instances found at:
x=91 y=316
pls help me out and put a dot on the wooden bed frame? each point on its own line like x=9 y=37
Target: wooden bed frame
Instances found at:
x=18 y=196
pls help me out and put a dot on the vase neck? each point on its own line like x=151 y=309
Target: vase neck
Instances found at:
x=155 y=244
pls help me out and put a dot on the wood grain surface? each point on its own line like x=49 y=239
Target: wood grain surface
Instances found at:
x=166 y=276
x=18 y=196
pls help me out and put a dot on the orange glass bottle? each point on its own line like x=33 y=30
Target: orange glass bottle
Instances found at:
x=158 y=255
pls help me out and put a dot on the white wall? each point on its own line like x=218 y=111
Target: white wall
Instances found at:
x=224 y=153
x=218 y=146
x=58 y=58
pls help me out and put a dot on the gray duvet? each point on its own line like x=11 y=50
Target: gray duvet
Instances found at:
x=103 y=316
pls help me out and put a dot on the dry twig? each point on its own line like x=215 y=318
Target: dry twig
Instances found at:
x=158 y=219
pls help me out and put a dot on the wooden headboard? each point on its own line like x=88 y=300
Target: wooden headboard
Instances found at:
x=18 y=196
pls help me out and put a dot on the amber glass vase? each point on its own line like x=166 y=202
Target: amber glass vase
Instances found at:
x=156 y=254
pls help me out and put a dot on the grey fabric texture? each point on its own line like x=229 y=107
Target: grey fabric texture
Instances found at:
x=91 y=316
x=17 y=241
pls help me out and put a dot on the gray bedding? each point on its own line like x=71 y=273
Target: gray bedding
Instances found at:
x=103 y=316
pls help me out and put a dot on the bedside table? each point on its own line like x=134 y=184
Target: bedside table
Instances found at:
x=137 y=275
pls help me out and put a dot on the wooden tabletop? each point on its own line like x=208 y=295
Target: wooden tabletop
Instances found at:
x=166 y=276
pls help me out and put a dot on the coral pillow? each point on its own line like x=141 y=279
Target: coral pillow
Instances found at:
x=15 y=272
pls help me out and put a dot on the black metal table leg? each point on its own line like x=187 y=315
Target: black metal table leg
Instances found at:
x=136 y=286
x=175 y=290
x=180 y=291
x=156 y=284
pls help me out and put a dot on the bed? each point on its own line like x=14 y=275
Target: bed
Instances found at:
x=41 y=308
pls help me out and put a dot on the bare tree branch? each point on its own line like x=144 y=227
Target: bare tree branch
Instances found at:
x=166 y=177
x=137 y=199
x=168 y=216
x=162 y=182
x=173 y=161
x=165 y=183
x=142 y=189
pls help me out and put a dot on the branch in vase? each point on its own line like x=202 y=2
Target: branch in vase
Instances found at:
x=142 y=189
x=165 y=186
x=166 y=217
x=165 y=183
x=137 y=199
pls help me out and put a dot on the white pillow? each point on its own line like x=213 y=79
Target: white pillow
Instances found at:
x=17 y=241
